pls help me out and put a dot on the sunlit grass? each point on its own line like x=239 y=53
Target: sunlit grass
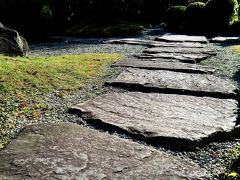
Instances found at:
x=67 y=72
x=26 y=82
x=236 y=48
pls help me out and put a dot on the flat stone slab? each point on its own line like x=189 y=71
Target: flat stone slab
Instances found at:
x=177 y=44
x=135 y=41
x=181 y=38
x=185 y=50
x=169 y=81
x=163 y=119
x=69 y=151
x=188 y=58
x=220 y=39
x=165 y=64
x=131 y=41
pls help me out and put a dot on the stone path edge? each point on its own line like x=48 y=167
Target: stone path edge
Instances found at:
x=146 y=89
x=172 y=143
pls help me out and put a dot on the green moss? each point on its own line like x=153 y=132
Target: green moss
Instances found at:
x=222 y=13
x=195 y=17
x=175 y=17
x=108 y=30
x=233 y=157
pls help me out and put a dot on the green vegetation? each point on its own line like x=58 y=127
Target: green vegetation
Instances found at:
x=233 y=154
x=107 y=30
x=25 y=82
x=195 y=16
x=232 y=163
x=236 y=49
x=175 y=17
x=221 y=14
x=36 y=19
x=215 y=16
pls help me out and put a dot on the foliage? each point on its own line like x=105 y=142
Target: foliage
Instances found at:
x=195 y=17
x=175 y=17
x=106 y=30
x=232 y=163
x=38 y=18
x=221 y=13
x=26 y=82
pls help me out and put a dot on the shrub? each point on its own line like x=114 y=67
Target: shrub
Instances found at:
x=195 y=17
x=32 y=18
x=175 y=17
x=222 y=13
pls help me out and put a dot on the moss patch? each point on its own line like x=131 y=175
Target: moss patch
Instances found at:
x=25 y=83
x=106 y=30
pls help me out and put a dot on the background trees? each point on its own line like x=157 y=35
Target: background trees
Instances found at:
x=38 y=18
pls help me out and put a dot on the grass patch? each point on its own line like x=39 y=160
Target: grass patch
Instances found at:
x=236 y=49
x=24 y=83
x=232 y=163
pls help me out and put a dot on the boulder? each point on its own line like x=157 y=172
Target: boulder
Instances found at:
x=11 y=43
x=69 y=151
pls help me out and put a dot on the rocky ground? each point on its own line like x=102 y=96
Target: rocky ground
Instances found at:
x=211 y=157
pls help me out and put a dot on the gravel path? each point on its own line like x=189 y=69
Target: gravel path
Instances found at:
x=212 y=157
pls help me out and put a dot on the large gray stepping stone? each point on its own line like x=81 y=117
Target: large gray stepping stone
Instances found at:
x=165 y=64
x=169 y=81
x=181 y=38
x=68 y=151
x=163 y=119
x=131 y=41
x=177 y=44
x=220 y=39
x=188 y=58
x=185 y=50
x=135 y=41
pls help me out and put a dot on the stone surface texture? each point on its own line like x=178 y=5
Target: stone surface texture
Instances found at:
x=220 y=39
x=163 y=118
x=185 y=50
x=131 y=41
x=68 y=151
x=151 y=43
x=182 y=38
x=188 y=58
x=11 y=43
x=165 y=64
x=177 y=44
x=169 y=80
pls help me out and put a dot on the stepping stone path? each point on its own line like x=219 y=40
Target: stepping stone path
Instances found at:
x=68 y=151
x=187 y=58
x=163 y=119
x=169 y=101
x=169 y=81
x=134 y=41
x=185 y=50
x=225 y=39
x=164 y=64
x=182 y=38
